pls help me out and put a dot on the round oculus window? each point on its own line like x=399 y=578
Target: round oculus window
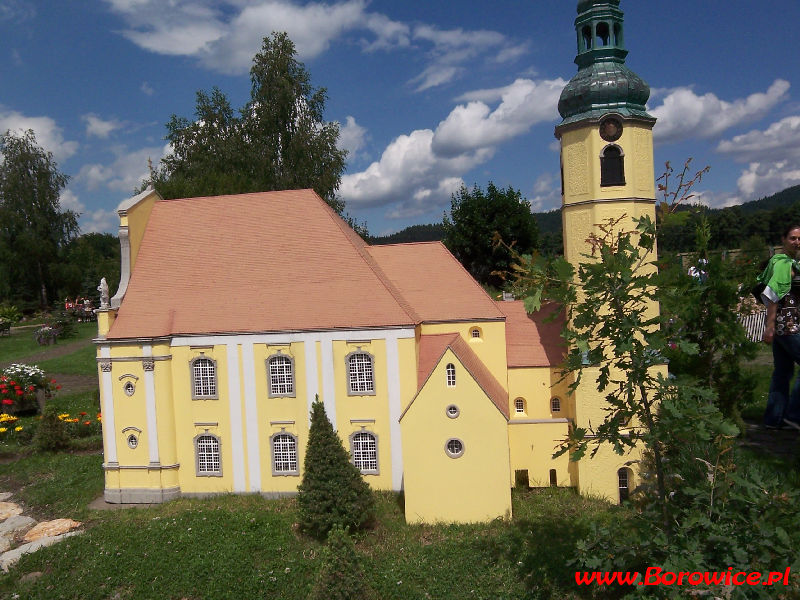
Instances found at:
x=610 y=129
x=129 y=388
x=133 y=441
x=452 y=411
x=454 y=448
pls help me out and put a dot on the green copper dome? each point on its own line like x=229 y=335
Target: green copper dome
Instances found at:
x=603 y=83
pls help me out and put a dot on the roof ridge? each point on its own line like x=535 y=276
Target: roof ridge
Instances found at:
x=362 y=248
x=464 y=269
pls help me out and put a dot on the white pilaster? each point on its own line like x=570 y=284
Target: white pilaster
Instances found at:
x=106 y=392
x=251 y=416
x=150 y=408
x=395 y=409
x=235 y=406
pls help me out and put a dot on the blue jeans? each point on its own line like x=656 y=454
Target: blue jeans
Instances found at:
x=780 y=404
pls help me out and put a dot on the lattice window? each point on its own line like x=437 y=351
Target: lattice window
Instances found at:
x=281 y=376
x=284 y=454
x=451 y=375
x=364 y=447
x=519 y=406
x=208 y=455
x=622 y=476
x=454 y=447
x=204 y=378
x=361 y=378
x=555 y=405
x=475 y=333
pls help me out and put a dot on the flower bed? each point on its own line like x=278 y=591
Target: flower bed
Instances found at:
x=24 y=389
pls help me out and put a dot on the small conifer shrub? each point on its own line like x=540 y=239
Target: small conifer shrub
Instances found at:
x=341 y=576
x=332 y=491
x=51 y=435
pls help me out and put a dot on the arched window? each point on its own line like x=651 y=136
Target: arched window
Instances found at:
x=209 y=462
x=451 y=375
x=281 y=375
x=364 y=449
x=360 y=374
x=555 y=405
x=475 y=333
x=586 y=33
x=617 y=34
x=204 y=378
x=612 y=166
x=623 y=477
x=284 y=454
x=519 y=406
x=553 y=478
x=603 y=34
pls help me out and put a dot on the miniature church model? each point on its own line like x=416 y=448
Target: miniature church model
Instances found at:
x=235 y=312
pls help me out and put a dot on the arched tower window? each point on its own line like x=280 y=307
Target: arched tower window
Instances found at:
x=586 y=33
x=603 y=34
x=618 y=35
x=623 y=477
x=451 y=375
x=612 y=166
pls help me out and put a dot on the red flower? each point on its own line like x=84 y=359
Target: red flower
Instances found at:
x=52 y=381
x=31 y=388
x=58 y=387
x=87 y=422
x=83 y=414
x=20 y=392
x=8 y=401
x=12 y=383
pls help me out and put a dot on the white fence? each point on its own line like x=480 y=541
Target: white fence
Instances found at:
x=754 y=324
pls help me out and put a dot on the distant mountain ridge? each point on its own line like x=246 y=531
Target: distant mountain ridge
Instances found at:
x=550 y=221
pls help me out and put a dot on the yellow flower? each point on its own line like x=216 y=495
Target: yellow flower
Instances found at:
x=19 y=428
x=3 y=429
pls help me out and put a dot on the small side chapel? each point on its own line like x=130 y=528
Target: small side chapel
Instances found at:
x=235 y=312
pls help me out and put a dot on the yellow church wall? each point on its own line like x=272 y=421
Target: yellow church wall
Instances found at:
x=490 y=347
x=537 y=386
x=196 y=417
x=136 y=220
x=598 y=475
x=472 y=488
x=581 y=148
x=532 y=446
x=288 y=414
x=365 y=412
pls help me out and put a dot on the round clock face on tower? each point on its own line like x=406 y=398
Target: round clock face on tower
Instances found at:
x=610 y=129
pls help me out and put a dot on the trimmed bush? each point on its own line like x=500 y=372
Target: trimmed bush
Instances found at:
x=332 y=491
x=51 y=435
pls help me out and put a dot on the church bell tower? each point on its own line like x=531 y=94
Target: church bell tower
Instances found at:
x=606 y=140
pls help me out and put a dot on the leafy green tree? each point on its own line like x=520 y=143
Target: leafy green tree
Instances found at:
x=478 y=219
x=341 y=576
x=279 y=140
x=33 y=228
x=87 y=259
x=332 y=491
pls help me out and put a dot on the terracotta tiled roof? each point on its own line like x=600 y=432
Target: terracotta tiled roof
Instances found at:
x=433 y=347
x=271 y=261
x=433 y=283
x=531 y=341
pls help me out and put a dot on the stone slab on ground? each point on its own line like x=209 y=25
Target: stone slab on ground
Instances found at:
x=50 y=529
x=10 y=558
x=9 y=509
x=4 y=496
x=16 y=524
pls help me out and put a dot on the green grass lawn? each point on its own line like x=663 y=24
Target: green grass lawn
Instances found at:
x=80 y=362
x=21 y=346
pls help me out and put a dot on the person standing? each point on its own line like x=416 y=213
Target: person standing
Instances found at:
x=781 y=295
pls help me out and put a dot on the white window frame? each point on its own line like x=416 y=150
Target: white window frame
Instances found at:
x=204 y=464
x=365 y=459
x=204 y=383
x=360 y=367
x=450 y=370
x=555 y=404
x=273 y=379
x=449 y=448
x=284 y=454
x=519 y=402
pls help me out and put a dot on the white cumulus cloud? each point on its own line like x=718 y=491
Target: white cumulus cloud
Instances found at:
x=683 y=114
x=418 y=172
x=97 y=127
x=352 y=137
x=127 y=171
x=48 y=134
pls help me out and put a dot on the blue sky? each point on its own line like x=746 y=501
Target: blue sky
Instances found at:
x=429 y=94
